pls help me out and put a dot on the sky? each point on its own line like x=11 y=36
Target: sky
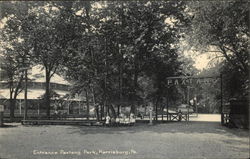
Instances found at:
x=201 y=61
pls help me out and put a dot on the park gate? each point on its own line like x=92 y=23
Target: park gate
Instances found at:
x=197 y=80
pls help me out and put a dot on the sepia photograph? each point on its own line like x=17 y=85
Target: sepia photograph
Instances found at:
x=136 y=79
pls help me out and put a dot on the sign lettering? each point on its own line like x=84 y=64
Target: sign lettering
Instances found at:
x=188 y=81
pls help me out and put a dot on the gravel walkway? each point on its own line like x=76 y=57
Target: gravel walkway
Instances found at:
x=194 y=139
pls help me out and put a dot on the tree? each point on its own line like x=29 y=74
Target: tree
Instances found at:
x=14 y=77
x=140 y=43
x=81 y=61
x=106 y=50
x=15 y=50
x=222 y=27
x=49 y=37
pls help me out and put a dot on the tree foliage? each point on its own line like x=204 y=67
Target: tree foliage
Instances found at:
x=223 y=27
x=112 y=52
x=133 y=42
x=15 y=50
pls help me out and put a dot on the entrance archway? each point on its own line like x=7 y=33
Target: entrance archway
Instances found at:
x=193 y=82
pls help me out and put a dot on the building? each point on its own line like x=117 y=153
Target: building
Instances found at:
x=60 y=87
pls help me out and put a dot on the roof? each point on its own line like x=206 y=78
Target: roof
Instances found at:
x=31 y=94
x=37 y=74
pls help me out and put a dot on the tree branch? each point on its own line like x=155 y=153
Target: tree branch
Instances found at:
x=53 y=72
x=239 y=58
x=224 y=52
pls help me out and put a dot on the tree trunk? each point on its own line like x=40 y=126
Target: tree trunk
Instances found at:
x=97 y=113
x=120 y=80
x=25 y=97
x=13 y=96
x=87 y=102
x=132 y=109
x=12 y=109
x=156 y=110
x=94 y=103
x=113 y=111
x=120 y=90
x=47 y=93
x=134 y=93
x=105 y=79
x=162 y=111
x=11 y=104
x=135 y=79
x=156 y=107
x=118 y=110
x=102 y=111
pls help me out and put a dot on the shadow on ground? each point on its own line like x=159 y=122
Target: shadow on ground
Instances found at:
x=171 y=127
x=8 y=126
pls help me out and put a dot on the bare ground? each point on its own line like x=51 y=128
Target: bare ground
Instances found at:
x=202 y=137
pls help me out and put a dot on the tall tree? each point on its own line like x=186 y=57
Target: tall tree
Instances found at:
x=15 y=49
x=222 y=27
x=142 y=39
x=14 y=76
x=48 y=36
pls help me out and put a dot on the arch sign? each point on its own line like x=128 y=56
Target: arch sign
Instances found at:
x=188 y=80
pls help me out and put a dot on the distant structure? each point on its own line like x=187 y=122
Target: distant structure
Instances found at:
x=62 y=98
